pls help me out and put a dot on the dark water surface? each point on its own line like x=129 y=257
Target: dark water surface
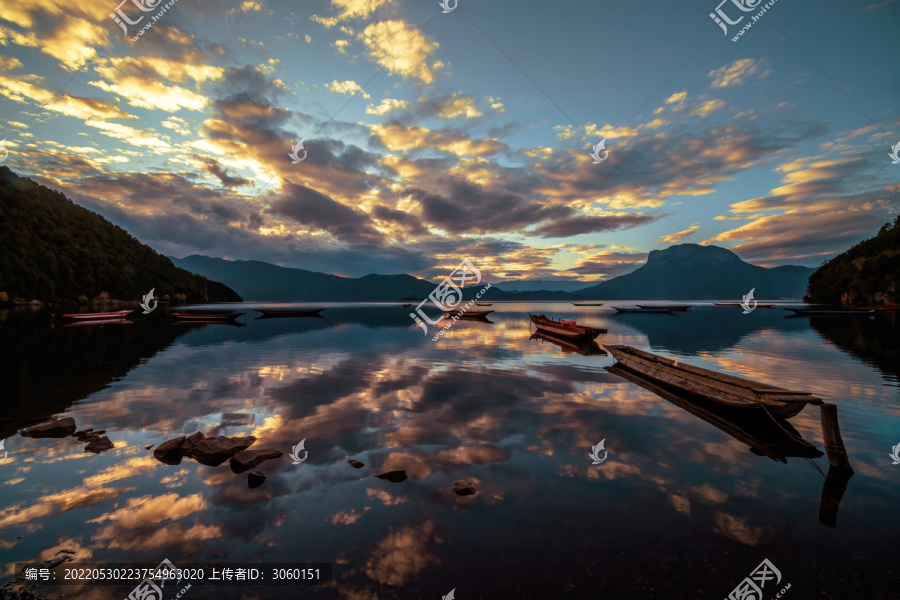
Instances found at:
x=680 y=509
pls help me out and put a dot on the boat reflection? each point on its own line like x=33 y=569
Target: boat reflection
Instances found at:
x=583 y=345
x=766 y=434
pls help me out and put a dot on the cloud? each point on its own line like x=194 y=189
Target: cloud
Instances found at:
x=738 y=72
x=385 y=106
x=396 y=137
x=401 y=49
x=588 y=224
x=674 y=238
x=349 y=9
x=213 y=167
x=346 y=87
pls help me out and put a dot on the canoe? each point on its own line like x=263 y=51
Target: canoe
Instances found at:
x=766 y=435
x=80 y=323
x=835 y=311
x=198 y=316
x=643 y=310
x=719 y=387
x=290 y=312
x=469 y=314
x=583 y=345
x=666 y=306
x=119 y=314
x=741 y=304
x=548 y=325
x=587 y=304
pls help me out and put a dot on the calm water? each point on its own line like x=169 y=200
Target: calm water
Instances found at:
x=680 y=509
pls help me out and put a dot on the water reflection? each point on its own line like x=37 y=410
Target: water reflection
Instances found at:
x=487 y=403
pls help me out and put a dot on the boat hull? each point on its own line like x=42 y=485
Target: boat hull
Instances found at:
x=664 y=311
x=665 y=306
x=567 y=331
x=720 y=387
x=481 y=314
x=207 y=317
x=119 y=314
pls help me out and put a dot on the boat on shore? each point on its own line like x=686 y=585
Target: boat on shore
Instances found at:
x=207 y=317
x=289 y=312
x=587 y=304
x=567 y=328
x=635 y=309
x=719 y=387
x=741 y=304
x=666 y=306
x=100 y=316
x=81 y=322
x=832 y=311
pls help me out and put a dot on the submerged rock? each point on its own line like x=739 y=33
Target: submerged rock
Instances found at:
x=248 y=459
x=464 y=487
x=54 y=428
x=255 y=479
x=355 y=463
x=101 y=444
x=170 y=452
x=148 y=447
x=394 y=476
x=213 y=451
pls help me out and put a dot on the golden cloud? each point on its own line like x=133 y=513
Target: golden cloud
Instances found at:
x=738 y=72
x=401 y=49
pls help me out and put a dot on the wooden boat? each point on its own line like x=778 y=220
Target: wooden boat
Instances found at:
x=587 y=304
x=407 y=305
x=741 y=304
x=565 y=327
x=469 y=314
x=289 y=312
x=722 y=388
x=101 y=316
x=666 y=306
x=583 y=345
x=207 y=317
x=831 y=311
x=766 y=435
x=643 y=310
x=483 y=304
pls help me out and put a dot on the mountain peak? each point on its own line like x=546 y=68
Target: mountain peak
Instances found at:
x=686 y=252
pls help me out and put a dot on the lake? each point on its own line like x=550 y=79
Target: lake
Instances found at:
x=681 y=507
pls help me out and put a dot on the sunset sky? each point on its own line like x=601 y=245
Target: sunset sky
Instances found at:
x=435 y=137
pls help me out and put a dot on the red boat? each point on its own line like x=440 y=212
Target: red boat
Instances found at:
x=101 y=316
x=564 y=327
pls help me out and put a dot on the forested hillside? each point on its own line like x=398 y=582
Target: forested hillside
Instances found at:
x=865 y=274
x=54 y=250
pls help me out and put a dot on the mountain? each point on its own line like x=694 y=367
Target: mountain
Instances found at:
x=865 y=274
x=537 y=285
x=55 y=250
x=255 y=280
x=694 y=272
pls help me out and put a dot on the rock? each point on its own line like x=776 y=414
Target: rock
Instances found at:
x=395 y=476
x=85 y=436
x=66 y=551
x=191 y=440
x=464 y=487
x=101 y=444
x=148 y=447
x=170 y=452
x=54 y=428
x=213 y=451
x=355 y=463
x=248 y=459
x=255 y=479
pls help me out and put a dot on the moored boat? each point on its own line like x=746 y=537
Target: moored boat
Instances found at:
x=582 y=345
x=720 y=387
x=81 y=322
x=468 y=314
x=208 y=317
x=289 y=312
x=741 y=304
x=665 y=306
x=831 y=311
x=564 y=327
x=101 y=316
x=587 y=304
x=623 y=309
x=483 y=304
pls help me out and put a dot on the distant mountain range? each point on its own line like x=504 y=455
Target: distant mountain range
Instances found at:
x=694 y=272
x=55 y=250
x=538 y=285
x=683 y=272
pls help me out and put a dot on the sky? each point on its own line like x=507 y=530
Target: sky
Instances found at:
x=430 y=137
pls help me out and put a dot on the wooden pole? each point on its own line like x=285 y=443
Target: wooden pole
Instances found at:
x=831 y=435
x=832 y=492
